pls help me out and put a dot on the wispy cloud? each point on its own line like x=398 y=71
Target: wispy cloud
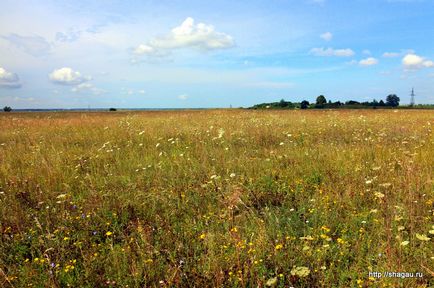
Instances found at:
x=34 y=45
x=332 y=52
x=327 y=36
x=370 y=61
x=397 y=54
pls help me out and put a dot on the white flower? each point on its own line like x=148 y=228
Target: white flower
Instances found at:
x=232 y=175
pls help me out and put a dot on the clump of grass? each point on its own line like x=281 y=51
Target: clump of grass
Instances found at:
x=216 y=198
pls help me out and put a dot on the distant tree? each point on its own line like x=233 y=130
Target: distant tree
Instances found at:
x=352 y=102
x=304 y=104
x=381 y=103
x=374 y=103
x=7 y=109
x=113 y=109
x=320 y=101
x=392 y=100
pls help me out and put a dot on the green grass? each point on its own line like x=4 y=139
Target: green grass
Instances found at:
x=216 y=198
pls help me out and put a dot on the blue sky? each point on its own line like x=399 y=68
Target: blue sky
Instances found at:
x=176 y=54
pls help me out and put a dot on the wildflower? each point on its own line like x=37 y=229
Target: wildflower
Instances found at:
x=232 y=175
x=422 y=237
x=278 y=246
x=108 y=233
x=325 y=228
x=271 y=282
x=379 y=195
x=308 y=237
x=202 y=236
x=385 y=185
x=341 y=241
x=300 y=271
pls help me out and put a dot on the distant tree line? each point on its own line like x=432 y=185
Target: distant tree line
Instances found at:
x=321 y=102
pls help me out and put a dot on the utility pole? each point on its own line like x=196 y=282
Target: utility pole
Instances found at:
x=412 y=97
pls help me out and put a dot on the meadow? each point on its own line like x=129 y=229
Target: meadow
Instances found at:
x=217 y=198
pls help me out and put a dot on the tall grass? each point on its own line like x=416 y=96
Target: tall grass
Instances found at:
x=216 y=198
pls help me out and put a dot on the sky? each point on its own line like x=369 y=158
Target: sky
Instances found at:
x=198 y=54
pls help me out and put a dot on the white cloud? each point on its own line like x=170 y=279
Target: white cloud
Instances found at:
x=67 y=76
x=68 y=36
x=87 y=87
x=183 y=97
x=327 y=36
x=9 y=79
x=368 y=61
x=144 y=49
x=332 y=52
x=33 y=45
x=413 y=61
x=188 y=35
x=391 y=54
x=398 y=54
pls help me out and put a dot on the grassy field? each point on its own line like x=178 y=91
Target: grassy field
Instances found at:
x=222 y=198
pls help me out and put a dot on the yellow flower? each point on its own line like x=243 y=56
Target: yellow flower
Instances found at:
x=325 y=228
x=422 y=237
x=300 y=271
x=341 y=241
x=108 y=233
x=202 y=236
x=279 y=246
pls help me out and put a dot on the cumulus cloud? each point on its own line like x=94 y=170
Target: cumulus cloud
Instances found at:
x=200 y=36
x=33 y=45
x=67 y=76
x=368 y=61
x=413 y=61
x=332 y=52
x=327 y=36
x=9 y=79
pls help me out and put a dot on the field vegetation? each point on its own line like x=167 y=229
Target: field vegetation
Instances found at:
x=221 y=198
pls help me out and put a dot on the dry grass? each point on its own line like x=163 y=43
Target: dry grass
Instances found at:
x=216 y=198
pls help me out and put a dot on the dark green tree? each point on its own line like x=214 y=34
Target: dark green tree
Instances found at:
x=7 y=109
x=392 y=100
x=320 y=101
x=304 y=104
